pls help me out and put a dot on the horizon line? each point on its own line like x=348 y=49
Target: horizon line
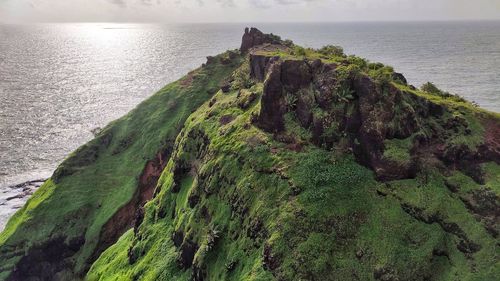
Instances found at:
x=257 y=22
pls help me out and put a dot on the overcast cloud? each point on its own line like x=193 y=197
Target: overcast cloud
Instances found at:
x=245 y=10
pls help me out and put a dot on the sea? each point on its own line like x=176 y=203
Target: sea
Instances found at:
x=58 y=82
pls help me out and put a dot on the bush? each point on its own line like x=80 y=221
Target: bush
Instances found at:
x=331 y=50
x=431 y=89
x=290 y=101
x=288 y=43
x=345 y=94
x=383 y=74
x=375 y=65
x=213 y=236
x=360 y=62
x=275 y=37
x=345 y=72
x=299 y=51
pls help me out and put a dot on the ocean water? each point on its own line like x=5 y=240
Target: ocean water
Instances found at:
x=60 y=81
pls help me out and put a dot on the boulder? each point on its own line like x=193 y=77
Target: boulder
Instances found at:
x=399 y=77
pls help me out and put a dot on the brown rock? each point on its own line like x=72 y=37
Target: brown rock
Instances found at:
x=296 y=74
x=304 y=106
x=270 y=262
x=254 y=37
x=186 y=255
x=272 y=104
x=259 y=65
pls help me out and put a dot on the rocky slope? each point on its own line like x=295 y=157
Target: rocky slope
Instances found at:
x=273 y=162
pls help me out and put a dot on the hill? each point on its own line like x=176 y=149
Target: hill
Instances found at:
x=273 y=162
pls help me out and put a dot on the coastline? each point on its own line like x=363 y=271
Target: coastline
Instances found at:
x=13 y=197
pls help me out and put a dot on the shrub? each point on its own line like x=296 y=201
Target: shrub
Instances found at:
x=383 y=74
x=360 y=62
x=431 y=89
x=345 y=94
x=288 y=43
x=275 y=37
x=299 y=51
x=375 y=65
x=331 y=50
x=344 y=72
x=291 y=101
x=212 y=236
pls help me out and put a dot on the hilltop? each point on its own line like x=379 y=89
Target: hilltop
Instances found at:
x=273 y=162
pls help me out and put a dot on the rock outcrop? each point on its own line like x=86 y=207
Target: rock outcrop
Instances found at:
x=254 y=37
x=373 y=113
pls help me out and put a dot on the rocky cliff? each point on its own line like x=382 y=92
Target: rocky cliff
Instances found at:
x=273 y=162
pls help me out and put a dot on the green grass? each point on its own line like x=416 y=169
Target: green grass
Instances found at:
x=398 y=150
x=493 y=177
x=316 y=209
x=434 y=199
x=101 y=176
x=264 y=211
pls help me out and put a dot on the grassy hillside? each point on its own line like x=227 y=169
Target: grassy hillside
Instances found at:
x=60 y=229
x=239 y=202
x=274 y=163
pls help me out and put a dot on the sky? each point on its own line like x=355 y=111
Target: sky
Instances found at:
x=180 y=11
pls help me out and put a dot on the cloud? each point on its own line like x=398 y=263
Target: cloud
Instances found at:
x=120 y=3
x=222 y=3
x=260 y=3
x=14 y=11
x=200 y=3
x=270 y=3
x=292 y=2
x=226 y=3
x=148 y=2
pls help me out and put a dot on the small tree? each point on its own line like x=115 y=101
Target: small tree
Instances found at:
x=331 y=50
x=431 y=89
x=299 y=51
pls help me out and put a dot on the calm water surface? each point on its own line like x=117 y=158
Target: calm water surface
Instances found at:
x=59 y=81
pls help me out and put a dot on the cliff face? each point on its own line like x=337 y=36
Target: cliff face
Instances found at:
x=336 y=100
x=306 y=165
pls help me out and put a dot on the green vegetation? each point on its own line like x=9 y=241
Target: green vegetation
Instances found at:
x=432 y=89
x=237 y=202
x=398 y=150
x=241 y=77
x=102 y=176
x=331 y=50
